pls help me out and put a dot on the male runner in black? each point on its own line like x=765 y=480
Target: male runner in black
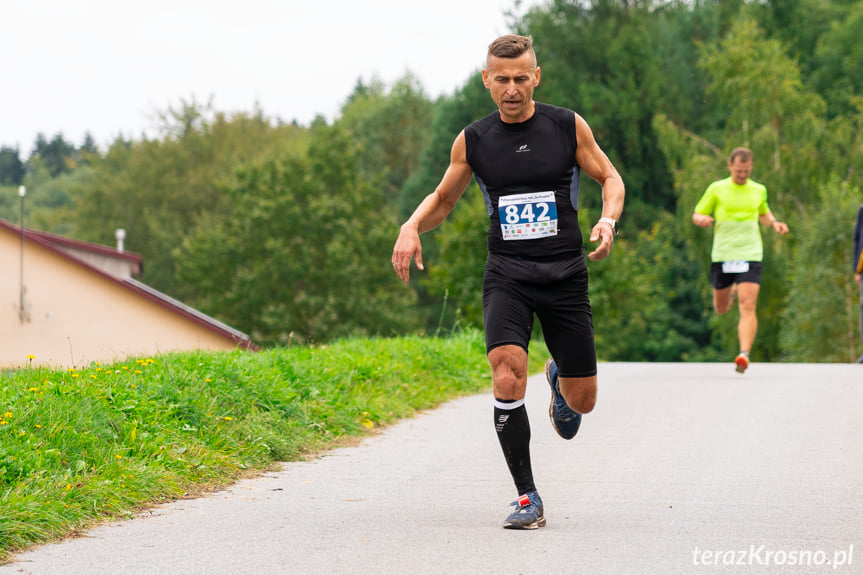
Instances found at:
x=527 y=157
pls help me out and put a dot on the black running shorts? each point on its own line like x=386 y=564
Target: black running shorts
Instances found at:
x=511 y=295
x=721 y=280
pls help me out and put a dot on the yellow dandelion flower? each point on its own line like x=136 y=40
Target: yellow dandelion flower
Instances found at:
x=34 y=389
x=68 y=487
x=137 y=371
x=8 y=415
x=31 y=357
x=74 y=375
x=38 y=426
x=208 y=380
x=227 y=418
x=118 y=456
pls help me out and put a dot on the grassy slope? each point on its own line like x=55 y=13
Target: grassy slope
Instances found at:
x=77 y=447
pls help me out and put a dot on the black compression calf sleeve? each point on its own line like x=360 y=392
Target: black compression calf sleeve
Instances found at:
x=513 y=432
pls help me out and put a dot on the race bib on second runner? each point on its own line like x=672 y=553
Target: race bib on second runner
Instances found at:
x=737 y=267
x=528 y=216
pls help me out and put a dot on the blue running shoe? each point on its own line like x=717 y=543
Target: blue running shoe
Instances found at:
x=527 y=514
x=564 y=420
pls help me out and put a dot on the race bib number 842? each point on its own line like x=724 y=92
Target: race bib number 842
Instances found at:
x=528 y=216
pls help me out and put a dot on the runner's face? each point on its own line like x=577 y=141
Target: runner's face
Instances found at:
x=511 y=82
x=740 y=171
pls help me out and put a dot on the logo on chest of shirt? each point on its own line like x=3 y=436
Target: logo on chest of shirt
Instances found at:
x=521 y=149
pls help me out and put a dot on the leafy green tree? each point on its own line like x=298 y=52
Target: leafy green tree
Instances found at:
x=838 y=63
x=767 y=104
x=633 y=293
x=88 y=149
x=820 y=319
x=57 y=154
x=47 y=204
x=451 y=115
x=694 y=162
x=391 y=128
x=50 y=206
x=455 y=271
x=11 y=167
x=800 y=25
x=89 y=144
x=304 y=256
x=159 y=190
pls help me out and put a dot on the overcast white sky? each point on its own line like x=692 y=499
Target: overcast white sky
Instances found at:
x=108 y=65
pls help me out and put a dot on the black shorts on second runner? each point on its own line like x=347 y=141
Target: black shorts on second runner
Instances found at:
x=722 y=280
x=562 y=306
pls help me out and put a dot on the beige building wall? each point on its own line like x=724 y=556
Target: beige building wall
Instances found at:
x=77 y=316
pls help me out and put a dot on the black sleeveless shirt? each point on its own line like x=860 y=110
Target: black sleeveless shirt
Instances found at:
x=529 y=177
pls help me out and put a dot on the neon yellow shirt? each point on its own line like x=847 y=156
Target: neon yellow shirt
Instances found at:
x=735 y=210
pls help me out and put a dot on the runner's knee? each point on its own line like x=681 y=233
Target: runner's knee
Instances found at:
x=747 y=305
x=508 y=372
x=507 y=385
x=580 y=395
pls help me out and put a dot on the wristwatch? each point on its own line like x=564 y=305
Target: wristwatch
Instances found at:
x=612 y=222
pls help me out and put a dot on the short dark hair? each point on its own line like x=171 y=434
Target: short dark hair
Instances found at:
x=745 y=155
x=510 y=46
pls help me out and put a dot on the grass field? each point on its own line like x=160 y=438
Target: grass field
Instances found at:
x=82 y=446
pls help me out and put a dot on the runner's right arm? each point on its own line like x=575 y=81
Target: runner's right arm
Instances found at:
x=432 y=210
x=702 y=220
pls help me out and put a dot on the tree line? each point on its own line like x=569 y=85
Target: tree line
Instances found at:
x=285 y=231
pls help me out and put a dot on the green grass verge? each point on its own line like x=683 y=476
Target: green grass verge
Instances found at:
x=80 y=446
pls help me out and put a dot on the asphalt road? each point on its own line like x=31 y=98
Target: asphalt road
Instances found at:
x=682 y=468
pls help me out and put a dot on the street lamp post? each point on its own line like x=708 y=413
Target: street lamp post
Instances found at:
x=22 y=191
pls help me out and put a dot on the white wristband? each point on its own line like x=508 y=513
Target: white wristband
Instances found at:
x=611 y=222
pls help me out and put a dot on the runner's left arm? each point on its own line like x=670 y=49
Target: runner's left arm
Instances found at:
x=768 y=219
x=593 y=162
